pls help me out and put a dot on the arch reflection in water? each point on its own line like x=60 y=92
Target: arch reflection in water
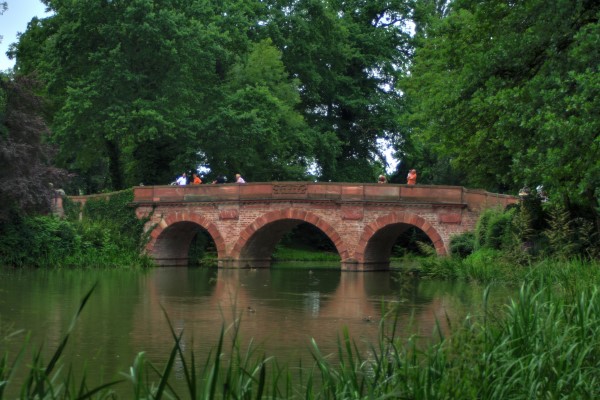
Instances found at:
x=282 y=309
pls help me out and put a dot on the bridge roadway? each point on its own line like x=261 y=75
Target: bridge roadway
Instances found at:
x=363 y=221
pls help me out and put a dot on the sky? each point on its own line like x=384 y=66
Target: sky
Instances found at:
x=15 y=20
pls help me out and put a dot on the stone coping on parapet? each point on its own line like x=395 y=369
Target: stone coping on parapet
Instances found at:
x=321 y=191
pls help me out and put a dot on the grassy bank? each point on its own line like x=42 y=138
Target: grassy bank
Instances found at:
x=289 y=253
x=299 y=257
x=489 y=267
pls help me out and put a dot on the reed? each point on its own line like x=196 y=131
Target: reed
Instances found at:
x=539 y=346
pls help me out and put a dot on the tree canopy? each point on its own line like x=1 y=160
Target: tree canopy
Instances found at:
x=142 y=90
x=507 y=93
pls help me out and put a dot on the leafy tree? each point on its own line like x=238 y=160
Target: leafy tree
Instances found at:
x=348 y=56
x=508 y=93
x=128 y=80
x=27 y=172
x=140 y=90
x=256 y=129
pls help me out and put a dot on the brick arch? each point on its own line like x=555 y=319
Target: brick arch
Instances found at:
x=172 y=220
x=288 y=214
x=386 y=223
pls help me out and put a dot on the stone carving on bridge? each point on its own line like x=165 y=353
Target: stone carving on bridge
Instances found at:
x=289 y=188
x=229 y=213
x=450 y=218
x=352 y=213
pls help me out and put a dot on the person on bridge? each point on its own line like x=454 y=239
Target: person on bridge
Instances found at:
x=411 y=178
x=197 y=180
x=382 y=179
x=239 y=179
x=182 y=180
x=220 y=179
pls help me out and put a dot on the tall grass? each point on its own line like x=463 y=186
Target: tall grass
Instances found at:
x=539 y=347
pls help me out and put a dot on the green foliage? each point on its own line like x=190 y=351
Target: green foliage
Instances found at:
x=498 y=231
x=488 y=265
x=202 y=250
x=348 y=57
x=439 y=267
x=570 y=237
x=141 y=90
x=493 y=229
x=507 y=244
x=37 y=241
x=307 y=236
x=283 y=253
x=72 y=209
x=560 y=233
x=540 y=332
x=507 y=93
x=462 y=245
x=527 y=231
x=109 y=235
x=522 y=224
x=256 y=130
x=114 y=212
x=126 y=85
x=413 y=241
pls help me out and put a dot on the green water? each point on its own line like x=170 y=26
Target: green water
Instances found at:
x=281 y=309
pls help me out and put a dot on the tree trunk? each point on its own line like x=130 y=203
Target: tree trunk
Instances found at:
x=114 y=165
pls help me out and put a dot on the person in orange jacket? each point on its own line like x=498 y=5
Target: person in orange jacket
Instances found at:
x=197 y=180
x=411 y=178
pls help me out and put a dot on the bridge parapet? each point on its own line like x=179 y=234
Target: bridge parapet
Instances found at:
x=337 y=192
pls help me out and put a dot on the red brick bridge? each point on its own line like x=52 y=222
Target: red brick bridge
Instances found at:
x=362 y=220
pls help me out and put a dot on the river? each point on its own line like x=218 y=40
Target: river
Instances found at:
x=280 y=310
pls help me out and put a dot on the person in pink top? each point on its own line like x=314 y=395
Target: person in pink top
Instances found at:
x=411 y=178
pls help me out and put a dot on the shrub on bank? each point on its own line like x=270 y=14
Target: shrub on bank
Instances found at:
x=109 y=235
x=462 y=245
x=36 y=241
x=508 y=244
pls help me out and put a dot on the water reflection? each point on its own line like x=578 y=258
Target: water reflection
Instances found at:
x=280 y=310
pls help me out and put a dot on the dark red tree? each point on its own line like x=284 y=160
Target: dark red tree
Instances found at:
x=27 y=177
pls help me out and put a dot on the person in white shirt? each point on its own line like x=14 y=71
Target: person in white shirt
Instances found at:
x=182 y=180
x=239 y=179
